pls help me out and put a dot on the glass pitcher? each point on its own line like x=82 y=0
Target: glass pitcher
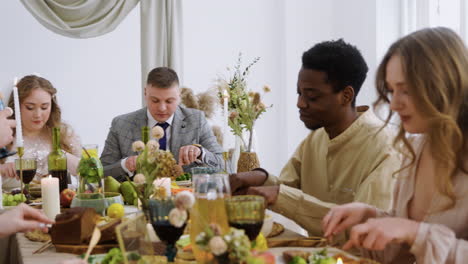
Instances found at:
x=210 y=189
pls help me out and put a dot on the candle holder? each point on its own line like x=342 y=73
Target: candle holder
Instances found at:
x=20 y=155
x=225 y=158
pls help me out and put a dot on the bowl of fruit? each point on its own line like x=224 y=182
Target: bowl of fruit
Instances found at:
x=98 y=201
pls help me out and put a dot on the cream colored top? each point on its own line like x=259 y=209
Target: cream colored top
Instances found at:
x=357 y=165
x=441 y=237
x=39 y=148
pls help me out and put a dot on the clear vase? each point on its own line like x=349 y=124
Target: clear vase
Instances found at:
x=90 y=171
x=85 y=186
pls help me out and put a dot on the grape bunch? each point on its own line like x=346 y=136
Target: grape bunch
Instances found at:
x=13 y=199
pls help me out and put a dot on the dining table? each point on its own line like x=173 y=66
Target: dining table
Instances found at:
x=21 y=248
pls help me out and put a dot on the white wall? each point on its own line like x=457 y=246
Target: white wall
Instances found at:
x=96 y=78
x=214 y=34
x=99 y=78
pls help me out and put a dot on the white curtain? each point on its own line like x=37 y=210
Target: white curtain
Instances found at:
x=80 y=18
x=161 y=36
x=161 y=25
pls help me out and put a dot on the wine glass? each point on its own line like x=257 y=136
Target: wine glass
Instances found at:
x=210 y=190
x=246 y=212
x=28 y=168
x=159 y=210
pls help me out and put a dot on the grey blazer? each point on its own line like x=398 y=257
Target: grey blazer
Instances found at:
x=188 y=127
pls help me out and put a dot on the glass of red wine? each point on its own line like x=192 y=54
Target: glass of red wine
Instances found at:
x=246 y=212
x=159 y=210
x=28 y=168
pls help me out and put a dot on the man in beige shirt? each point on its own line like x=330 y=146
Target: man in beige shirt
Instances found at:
x=347 y=157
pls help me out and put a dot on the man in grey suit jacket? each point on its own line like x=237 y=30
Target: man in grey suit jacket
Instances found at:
x=188 y=134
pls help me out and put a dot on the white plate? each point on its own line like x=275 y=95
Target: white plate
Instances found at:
x=184 y=183
x=278 y=252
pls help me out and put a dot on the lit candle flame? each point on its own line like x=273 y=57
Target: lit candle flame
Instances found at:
x=339 y=261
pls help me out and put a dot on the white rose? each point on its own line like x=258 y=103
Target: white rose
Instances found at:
x=184 y=200
x=157 y=132
x=152 y=145
x=177 y=217
x=139 y=179
x=217 y=245
x=138 y=146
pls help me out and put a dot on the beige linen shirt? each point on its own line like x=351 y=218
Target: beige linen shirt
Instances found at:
x=441 y=237
x=357 y=165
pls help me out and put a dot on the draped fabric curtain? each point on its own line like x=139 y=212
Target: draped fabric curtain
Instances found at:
x=161 y=25
x=161 y=35
x=80 y=18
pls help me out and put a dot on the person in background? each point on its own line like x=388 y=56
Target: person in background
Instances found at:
x=22 y=218
x=187 y=133
x=346 y=157
x=424 y=78
x=40 y=112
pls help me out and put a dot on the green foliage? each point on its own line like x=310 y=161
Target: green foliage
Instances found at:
x=184 y=177
x=133 y=256
x=91 y=169
x=114 y=256
x=298 y=260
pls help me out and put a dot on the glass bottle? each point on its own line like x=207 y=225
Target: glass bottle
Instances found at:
x=57 y=160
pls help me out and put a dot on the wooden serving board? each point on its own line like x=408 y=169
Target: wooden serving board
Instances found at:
x=81 y=249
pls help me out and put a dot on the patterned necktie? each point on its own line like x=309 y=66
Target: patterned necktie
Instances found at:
x=163 y=140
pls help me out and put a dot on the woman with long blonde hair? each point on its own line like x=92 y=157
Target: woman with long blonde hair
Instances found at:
x=424 y=78
x=40 y=112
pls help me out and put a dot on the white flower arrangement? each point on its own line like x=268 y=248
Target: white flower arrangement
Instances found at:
x=235 y=242
x=183 y=202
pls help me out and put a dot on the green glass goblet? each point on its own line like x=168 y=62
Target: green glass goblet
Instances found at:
x=246 y=212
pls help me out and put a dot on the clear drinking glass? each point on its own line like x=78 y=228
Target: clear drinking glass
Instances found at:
x=210 y=191
x=89 y=182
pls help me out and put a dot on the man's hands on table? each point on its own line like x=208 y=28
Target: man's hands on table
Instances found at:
x=270 y=193
x=239 y=182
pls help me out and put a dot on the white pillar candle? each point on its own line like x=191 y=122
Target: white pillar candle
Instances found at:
x=50 y=196
x=226 y=122
x=19 y=129
x=164 y=182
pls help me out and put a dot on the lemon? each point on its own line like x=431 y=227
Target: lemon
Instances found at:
x=115 y=210
x=261 y=243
